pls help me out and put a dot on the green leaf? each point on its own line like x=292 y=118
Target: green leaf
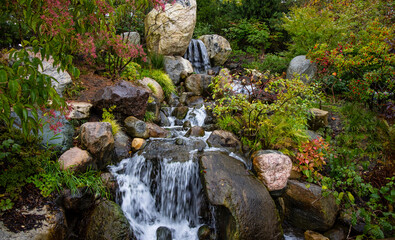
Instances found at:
x=3 y=76
x=14 y=88
x=350 y=197
x=25 y=114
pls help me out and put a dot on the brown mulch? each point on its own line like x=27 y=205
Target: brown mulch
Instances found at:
x=16 y=219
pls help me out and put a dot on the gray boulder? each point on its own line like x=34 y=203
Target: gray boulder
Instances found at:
x=218 y=48
x=301 y=66
x=122 y=145
x=198 y=84
x=246 y=210
x=174 y=66
x=76 y=159
x=224 y=139
x=307 y=209
x=136 y=128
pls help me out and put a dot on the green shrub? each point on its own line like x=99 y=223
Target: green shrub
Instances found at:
x=107 y=116
x=131 y=71
x=272 y=62
x=156 y=61
x=162 y=78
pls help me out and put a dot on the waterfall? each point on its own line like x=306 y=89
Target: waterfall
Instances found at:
x=198 y=56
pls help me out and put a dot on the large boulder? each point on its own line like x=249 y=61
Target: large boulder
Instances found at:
x=246 y=210
x=218 y=48
x=153 y=87
x=107 y=222
x=136 y=128
x=52 y=227
x=97 y=138
x=224 y=139
x=174 y=66
x=198 y=84
x=273 y=168
x=76 y=159
x=301 y=66
x=169 y=32
x=128 y=99
x=131 y=37
x=307 y=208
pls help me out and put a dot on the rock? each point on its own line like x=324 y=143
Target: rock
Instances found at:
x=76 y=159
x=346 y=217
x=110 y=182
x=128 y=99
x=177 y=68
x=195 y=131
x=122 y=146
x=185 y=96
x=79 y=110
x=204 y=233
x=107 y=222
x=169 y=32
x=273 y=168
x=154 y=107
x=173 y=100
x=187 y=125
x=218 y=48
x=301 y=66
x=63 y=79
x=163 y=233
x=98 y=139
x=195 y=102
x=246 y=210
x=131 y=37
x=164 y=120
x=136 y=128
x=307 y=208
x=337 y=233
x=81 y=201
x=157 y=132
x=310 y=235
x=225 y=139
x=54 y=226
x=319 y=119
x=180 y=112
x=198 y=84
x=138 y=144
x=157 y=90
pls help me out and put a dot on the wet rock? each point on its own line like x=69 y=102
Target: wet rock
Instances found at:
x=173 y=100
x=131 y=37
x=98 y=139
x=338 y=232
x=157 y=132
x=187 y=125
x=319 y=119
x=218 y=48
x=136 y=128
x=76 y=159
x=81 y=200
x=301 y=66
x=195 y=131
x=310 y=235
x=243 y=201
x=169 y=32
x=307 y=208
x=109 y=182
x=195 y=101
x=152 y=87
x=122 y=146
x=54 y=226
x=128 y=99
x=180 y=112
x=138 y=144
x=164 y=120
x=198 y=84
x=273 y=168
x=79 y=110
x=204 y=233
x=177 y=68
x=163 y=233
x=225 y=139
x=184 y=96
x=210 y=127
x=345 y=217
x=107 y=222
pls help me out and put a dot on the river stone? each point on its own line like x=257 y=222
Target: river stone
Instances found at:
x=177 y=68
x=319 y=119
x=79 y=110
x=224 y=139
x=109 y=182
x=180 y=112
x=184 y=96
x=311 y=235
x=136 y=128
x=248 y=211
x=163 y=233
x=338 y=232
x=307 y=209
x=137 y=144
x=195 y=102
x=75 y=159
x=97 y=138
x=301 y=66
x=164 y=120
x=122 y=145
x=195 y=131
x=128 y=99
x=156 y=132
x=54 y=226
x=187 y=125
x=131 y=37
x=169 y=32
x=218 y=48
x=198 y=84
x=149 y=83
x=107 y=222
x=204 y=233
x=273 y=168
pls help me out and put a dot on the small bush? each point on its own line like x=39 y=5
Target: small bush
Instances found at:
x=107 y=116
x=157 y=61
x=162 y=78
x=272 y=62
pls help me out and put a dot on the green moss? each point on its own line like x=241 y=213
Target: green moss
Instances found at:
x=162 y=78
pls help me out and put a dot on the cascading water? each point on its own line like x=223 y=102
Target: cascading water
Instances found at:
x=198 y=56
